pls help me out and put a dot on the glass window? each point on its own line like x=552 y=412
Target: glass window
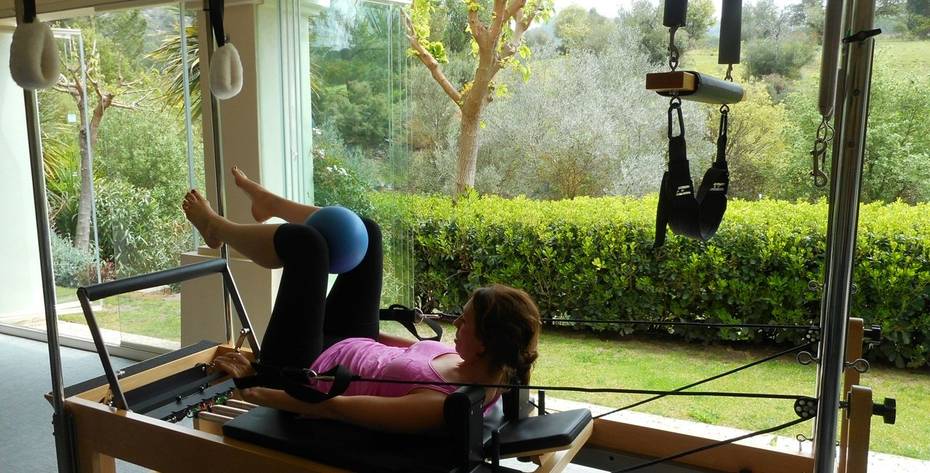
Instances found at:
x=360 y=113
x=122 y=145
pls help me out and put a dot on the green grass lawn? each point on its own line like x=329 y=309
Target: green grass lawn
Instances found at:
x=575 y=358
x=154 y=314
x=904 y=58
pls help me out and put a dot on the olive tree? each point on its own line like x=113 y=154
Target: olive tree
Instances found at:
x=497 y=31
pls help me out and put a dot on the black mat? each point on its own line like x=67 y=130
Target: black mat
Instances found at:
x=342 y=445
x=358 y=449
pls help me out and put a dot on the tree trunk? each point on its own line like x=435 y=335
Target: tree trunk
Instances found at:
x=468 y=147
x=473 y=104
x=86 y=199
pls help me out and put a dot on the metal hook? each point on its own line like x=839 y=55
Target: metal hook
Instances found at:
x=805 y=358
x=819 y=153
x=861 y=365
x=243 y=334
x=674 y=106
x=673 y=52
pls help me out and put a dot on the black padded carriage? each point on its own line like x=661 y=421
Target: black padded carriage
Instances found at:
x=359 y=449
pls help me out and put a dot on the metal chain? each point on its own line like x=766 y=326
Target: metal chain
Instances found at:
x=673 y=52
x=819 y=153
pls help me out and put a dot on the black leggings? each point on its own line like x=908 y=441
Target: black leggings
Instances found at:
x=304 y=320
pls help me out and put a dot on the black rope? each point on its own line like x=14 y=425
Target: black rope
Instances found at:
x=448 y=317
x=544 y=411
x=706 y=380
x=793 y=397
x=712 y=445
x=685 y=324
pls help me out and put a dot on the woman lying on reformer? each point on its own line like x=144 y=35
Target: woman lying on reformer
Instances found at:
x=495 y=342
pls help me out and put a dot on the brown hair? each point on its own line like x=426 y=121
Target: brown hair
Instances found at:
x=507 y=323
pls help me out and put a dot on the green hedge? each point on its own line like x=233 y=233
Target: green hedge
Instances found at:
x=592 y=258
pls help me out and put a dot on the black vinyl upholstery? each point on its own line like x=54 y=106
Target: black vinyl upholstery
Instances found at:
x=358 y=449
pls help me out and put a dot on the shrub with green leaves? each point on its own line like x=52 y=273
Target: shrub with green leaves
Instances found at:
x=72 y=267
x=593 y=259
x=338 y=177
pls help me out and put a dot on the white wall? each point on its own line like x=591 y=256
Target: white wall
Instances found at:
x=20 y=277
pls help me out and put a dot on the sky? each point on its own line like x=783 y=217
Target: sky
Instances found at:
x=609 y=7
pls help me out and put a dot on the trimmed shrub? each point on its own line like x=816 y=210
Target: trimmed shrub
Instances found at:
x=592 y=259
x=72 y=267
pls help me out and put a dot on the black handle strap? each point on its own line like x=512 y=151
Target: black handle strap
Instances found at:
x=695 y=216
x=216 y=21
x=294 y=381
x=29 y=11
x=409 y=318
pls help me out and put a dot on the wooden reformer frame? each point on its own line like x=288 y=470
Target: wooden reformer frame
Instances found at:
x=102 y=434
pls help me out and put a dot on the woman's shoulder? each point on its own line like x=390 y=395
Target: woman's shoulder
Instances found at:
x=431 y=346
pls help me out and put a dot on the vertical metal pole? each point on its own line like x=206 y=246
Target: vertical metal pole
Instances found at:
x=90 y=154
x=847 y=161
x=61 y=426
x=188 y=125
x=218 y=165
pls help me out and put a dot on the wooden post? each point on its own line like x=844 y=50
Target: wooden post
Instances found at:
x=854 y=338
x=859 y=414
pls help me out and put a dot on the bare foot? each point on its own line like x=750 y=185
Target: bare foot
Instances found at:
x=262 y=200
x=198 y=211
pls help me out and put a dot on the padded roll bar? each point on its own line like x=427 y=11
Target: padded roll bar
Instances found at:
x=145 y=281
x=694 y=86
x=160 y=278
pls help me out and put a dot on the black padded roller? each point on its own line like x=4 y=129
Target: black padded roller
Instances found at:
x=711 y=90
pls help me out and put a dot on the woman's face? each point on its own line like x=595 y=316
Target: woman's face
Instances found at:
x=467 y=343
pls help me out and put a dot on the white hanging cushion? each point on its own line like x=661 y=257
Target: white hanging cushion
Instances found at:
x=225 y=72
x=34 y=56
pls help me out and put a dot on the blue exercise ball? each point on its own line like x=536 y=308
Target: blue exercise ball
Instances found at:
x=345 y=234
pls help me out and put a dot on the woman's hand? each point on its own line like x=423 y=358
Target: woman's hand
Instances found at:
x=279 y=399
x=235 y=364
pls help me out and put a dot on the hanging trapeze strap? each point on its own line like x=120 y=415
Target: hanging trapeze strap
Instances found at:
x=693 y=216
x=410 y=318
x=294 y=381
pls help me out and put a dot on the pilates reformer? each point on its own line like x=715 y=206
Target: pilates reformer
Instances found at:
x=89 y=422
x=177 y=385
x=144 y=402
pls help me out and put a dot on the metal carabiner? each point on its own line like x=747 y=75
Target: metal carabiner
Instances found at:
x=673 y=53
x=674 y=105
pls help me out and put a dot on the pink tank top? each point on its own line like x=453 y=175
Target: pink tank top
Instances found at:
x=370 y=359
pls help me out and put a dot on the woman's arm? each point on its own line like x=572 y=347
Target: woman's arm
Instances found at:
x=419 y=411
x=394 y=341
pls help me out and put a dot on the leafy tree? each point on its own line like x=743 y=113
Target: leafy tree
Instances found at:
x=918 y=18
x=644 y=21
x=700 y=19
x=766 y=57
x=107 y=67
x=583 y=30
x=352 y=81
x=763 y=20
x=168 y=55
x=755 y=142
x=497 y=29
